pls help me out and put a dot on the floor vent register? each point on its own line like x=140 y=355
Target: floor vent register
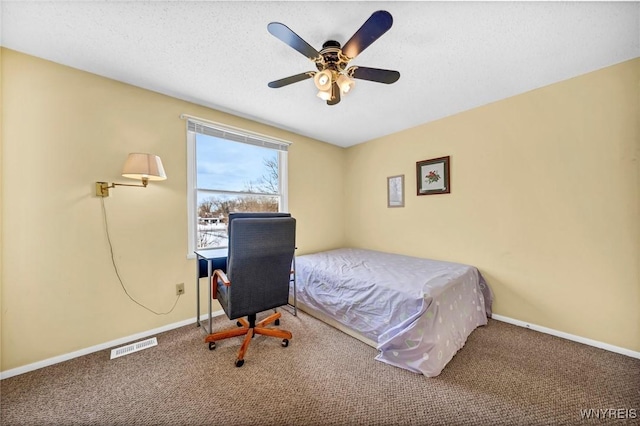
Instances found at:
x=133 y=347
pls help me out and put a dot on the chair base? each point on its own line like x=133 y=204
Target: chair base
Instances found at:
x=249 y=329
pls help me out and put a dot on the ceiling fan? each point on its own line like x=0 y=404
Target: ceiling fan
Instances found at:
x=333 y=78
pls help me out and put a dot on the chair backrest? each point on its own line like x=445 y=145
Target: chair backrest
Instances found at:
x=248 y=215
x=222 y=263
x=261 y=251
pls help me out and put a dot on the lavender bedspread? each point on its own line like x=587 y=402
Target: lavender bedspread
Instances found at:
x=419 y=311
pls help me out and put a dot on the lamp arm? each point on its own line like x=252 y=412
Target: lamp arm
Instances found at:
x=113 y=185
x=102 y=188
x=145 y=182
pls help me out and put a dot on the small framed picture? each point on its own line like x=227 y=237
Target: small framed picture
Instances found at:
x=433 y=176
x=395 y=191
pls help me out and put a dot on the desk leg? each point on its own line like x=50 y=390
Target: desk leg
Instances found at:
x=295 y=295
x=197 y=291
x=209 y=274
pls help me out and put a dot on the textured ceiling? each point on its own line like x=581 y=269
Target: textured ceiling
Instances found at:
x=452 y=56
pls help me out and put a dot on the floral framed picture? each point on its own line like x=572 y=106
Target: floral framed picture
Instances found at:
x=395 y=191
x=433 y=176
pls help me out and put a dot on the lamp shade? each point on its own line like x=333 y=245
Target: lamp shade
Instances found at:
x=143 y=166
x=325 y=95
x=323 y=79
x=345 y=83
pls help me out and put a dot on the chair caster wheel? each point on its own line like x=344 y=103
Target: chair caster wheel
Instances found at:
x=277 y=322
x=285 y=343
x=239 y=362
x=212 y=345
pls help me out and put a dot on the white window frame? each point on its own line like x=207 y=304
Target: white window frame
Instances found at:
x=233 y=134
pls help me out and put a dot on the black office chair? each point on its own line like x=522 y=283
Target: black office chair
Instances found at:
x=261 y=250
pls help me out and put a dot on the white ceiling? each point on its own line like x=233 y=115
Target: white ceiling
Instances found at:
x=452 y=56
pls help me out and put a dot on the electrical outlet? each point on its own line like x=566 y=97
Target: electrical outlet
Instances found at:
x=180 y=289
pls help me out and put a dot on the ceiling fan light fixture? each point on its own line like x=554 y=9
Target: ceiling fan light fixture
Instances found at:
x=322 y=80
x=325 y=95
x=345 y=83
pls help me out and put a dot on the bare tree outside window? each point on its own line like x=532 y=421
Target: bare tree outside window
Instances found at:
x=268 y=183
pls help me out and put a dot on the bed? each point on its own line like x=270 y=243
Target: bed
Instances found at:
x=417 y=312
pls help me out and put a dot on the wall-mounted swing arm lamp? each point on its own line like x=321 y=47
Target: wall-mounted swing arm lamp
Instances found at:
x=141 y=166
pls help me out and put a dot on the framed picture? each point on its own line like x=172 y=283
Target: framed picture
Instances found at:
x=433 y=176
x=395 y=191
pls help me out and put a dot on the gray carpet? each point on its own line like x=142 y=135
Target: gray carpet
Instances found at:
x=504 y=375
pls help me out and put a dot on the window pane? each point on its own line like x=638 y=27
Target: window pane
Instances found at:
x=213 y=212
x=235 y=166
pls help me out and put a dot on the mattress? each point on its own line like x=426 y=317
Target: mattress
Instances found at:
x=418 y=312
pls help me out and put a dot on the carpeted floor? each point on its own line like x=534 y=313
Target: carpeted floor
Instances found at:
x=504 y=375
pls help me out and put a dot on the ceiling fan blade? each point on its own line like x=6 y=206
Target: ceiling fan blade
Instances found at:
x=377 y=24
x=374 y=74
x=335 y=94
x=290 y=80
x=292 y=39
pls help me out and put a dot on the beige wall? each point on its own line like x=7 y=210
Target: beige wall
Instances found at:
x=63 y=130
x=545 y=201
x=1 y=201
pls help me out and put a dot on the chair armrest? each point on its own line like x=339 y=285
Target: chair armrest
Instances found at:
x=218 y=274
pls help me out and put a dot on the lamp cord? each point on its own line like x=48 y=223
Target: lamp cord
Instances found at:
x=115 y=268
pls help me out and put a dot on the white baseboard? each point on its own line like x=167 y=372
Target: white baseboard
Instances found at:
x=124 y=340
x=573 y=337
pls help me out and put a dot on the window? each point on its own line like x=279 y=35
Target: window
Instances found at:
x=230 y=170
